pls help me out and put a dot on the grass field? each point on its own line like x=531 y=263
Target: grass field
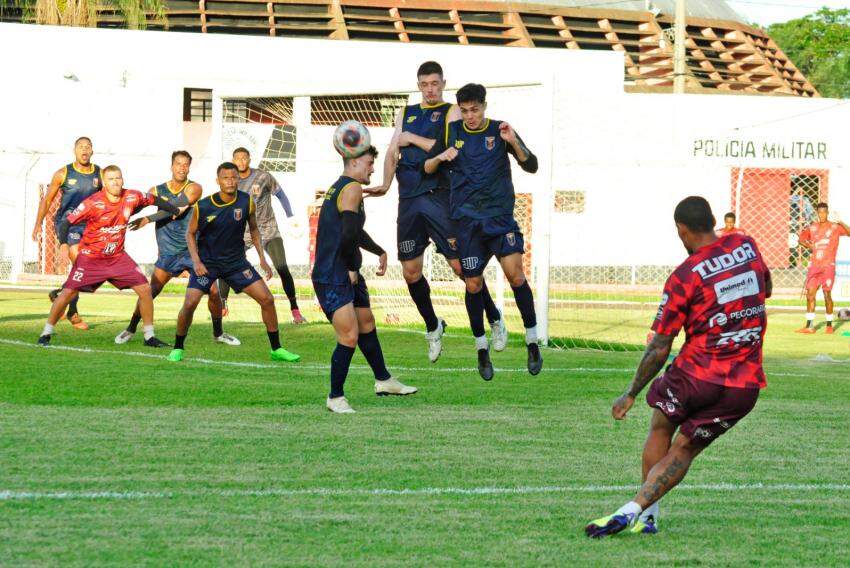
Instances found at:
x=112 y=455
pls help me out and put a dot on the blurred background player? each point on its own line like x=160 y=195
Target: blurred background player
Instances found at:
x=74 y=182
x=174 y=258
x=261 y=186
x=718 y=295
x=423 y=203
x=482 y=201
x=215 y=239
x=729 y=227
x=821 y=238
x=341 y=289
x=101 y=257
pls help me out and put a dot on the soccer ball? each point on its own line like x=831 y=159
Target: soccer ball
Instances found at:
x=351 y=139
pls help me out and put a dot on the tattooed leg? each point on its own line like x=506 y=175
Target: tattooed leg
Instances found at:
x=668 y=472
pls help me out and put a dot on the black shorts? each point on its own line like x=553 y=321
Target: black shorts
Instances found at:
x=334 y=296
x=238 y=278
x=481 y=239
x=422 y=219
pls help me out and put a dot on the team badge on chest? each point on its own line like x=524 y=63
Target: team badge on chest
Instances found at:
x=490 y=142
x=237 y=214
x=95 y=183
x=435 y=116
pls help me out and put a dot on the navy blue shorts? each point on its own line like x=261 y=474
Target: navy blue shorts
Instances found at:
x=480 y=239
x=422 y=219
x=68 y=234
x=237 y=278
x=334 y=296
x=175 y=264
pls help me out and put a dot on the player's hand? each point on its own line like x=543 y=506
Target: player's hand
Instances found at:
x=137 y=224
x=448 y=155
x=36 y=233
x=621 y=406
x=382 y=265
x=199 y=268
x=506 y=131
x=404 y=139
x=352 y=276
x=376 y=191
x=267 y=270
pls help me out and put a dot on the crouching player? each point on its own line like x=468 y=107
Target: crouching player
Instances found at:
x=718 y=295
x=341 y=289
x=101 y=255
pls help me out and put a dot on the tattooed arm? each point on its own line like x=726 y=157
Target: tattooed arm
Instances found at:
x=653 y=361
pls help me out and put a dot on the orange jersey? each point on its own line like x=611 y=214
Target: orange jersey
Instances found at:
x=722 y=232
x=824 y=239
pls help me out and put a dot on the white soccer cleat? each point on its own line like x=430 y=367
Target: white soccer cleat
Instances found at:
x=435 y=341
x=227 y=339
x=339 y=405
x=124 y=337
x=499 y=334
x=394 y=387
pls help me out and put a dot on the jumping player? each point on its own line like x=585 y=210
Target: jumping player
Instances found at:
x=101 y=257
x=475 y=153
x=729 y=227
x=261 y=186
x=423 y=204
x=341 y=289
x=214 y=238
x=718 y=295
x=75 y=182
x=174 y=257
x=821 y=238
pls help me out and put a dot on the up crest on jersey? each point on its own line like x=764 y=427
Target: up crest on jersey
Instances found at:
x=727 y=261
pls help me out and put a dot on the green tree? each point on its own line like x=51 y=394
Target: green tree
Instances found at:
x=86 y=13
x=819 y=45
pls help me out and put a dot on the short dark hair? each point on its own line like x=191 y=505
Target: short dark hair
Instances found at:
x=430 y=68
x=823 y=205
x=175 y=154
x=110 y=168
x=80 y=139
x=730 y=215
x=225 y=166
x=241 y=150
x=371 y=150
x=472 y=93
x=694 y=212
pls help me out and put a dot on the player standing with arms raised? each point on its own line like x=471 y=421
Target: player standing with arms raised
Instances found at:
x=74 y=182
x=101 y=256
x=718 y=295
x=341 y=289
x=262 y=186
x=423 y=202
x=215 y=239
x=475 y=153
x=174 y=258
x=821 y=238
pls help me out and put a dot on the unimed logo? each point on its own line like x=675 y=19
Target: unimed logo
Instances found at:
x=737 y=287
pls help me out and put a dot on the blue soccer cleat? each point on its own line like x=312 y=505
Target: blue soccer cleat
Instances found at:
x=606 y=526
x=645 y=526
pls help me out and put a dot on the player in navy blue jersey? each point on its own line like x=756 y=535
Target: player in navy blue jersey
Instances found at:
x=341 y=289
x=174 y=258
x=74 y=183
x=215 y=240
x=475 y=153
x=423 y=202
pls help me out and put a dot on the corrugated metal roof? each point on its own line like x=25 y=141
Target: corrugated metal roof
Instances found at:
x=713 y=9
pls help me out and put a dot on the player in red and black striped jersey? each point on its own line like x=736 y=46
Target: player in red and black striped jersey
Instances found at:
x=718 y=295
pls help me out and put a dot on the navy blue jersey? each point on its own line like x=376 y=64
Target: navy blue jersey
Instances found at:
x=329 y=267
x=76 y=187
x=171 y=233
x=428 y=121
x=480 y=175
x=221 y=227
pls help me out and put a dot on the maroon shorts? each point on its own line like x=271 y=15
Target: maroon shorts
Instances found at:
x=820 y=277
x=89 y=273
x=702 y=410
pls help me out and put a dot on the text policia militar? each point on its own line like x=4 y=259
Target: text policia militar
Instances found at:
x=763 y=149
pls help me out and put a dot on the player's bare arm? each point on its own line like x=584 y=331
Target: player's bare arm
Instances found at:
x=411 y=139
x=44 y=205
x=349 y=202
x=258 y=242
x=192 y=243
x=652 y=362
x=390 y=160
x=447 y=155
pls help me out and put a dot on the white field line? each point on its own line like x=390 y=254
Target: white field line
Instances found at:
x=318 y=367
x=7 y=495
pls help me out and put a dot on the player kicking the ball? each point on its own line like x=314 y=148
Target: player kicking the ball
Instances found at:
x=174 y=258
x=214 y=237
x=423 y=203
x=101 y=257
x=341 y=289
x=475 y=153
x=718 y=295
x=822 y=239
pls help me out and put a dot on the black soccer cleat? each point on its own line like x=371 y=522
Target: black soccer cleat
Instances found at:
x=44 y=340
x=485 y=367
x=535 y=359
x=155 y=342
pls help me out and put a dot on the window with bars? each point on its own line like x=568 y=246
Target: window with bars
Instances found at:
x=197 y=105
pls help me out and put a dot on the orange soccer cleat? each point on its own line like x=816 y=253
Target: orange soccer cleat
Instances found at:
x=78 y=322
x=829 y=330
x=806 y=330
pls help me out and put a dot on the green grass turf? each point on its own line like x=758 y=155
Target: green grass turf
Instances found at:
x=185 y=445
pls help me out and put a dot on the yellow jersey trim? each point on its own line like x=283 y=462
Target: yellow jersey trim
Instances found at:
x=478 y=131
x=212 y=200
x=338 y=195
x=251 y=206
x=186 y=184
x=64 y=175
x=423 y=106
x=74 y=165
